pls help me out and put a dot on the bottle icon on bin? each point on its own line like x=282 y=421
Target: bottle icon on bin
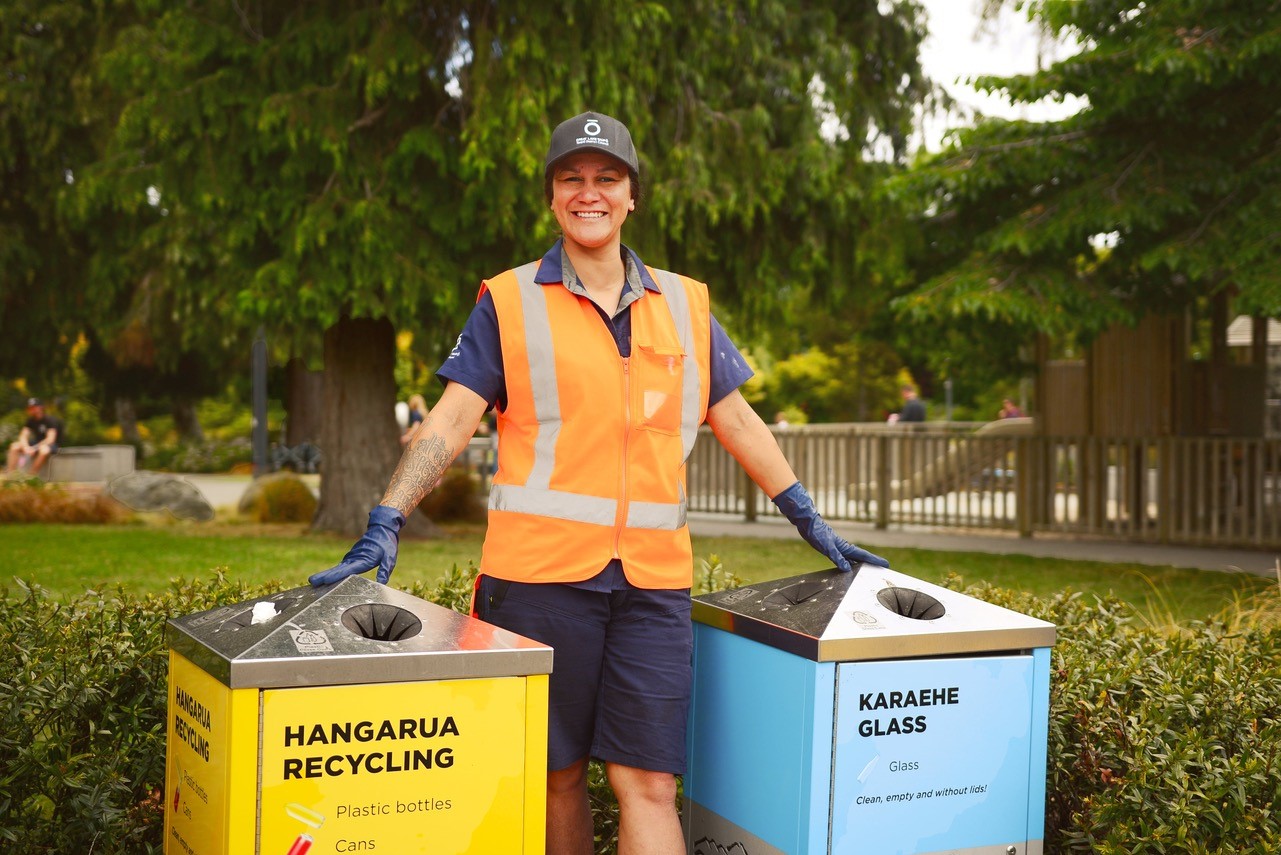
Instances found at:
x=308 y=817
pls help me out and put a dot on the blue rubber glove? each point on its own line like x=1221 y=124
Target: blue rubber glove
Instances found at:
x=377 y=548
x=799 y=509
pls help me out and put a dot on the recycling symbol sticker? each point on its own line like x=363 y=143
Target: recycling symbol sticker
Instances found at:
x=311 y=641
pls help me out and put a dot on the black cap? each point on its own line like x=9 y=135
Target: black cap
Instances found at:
x=592 y=132
x=35 y=402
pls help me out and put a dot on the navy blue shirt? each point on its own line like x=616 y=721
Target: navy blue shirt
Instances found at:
x=477 y=358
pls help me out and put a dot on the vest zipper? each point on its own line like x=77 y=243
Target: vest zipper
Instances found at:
x=621 y=518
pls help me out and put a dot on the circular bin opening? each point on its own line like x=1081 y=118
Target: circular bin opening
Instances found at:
x=907 y=602
x=381 y=622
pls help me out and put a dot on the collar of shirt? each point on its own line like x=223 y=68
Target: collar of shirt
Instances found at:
x=556 y=267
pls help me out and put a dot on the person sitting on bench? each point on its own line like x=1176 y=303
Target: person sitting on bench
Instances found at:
x=36 y=442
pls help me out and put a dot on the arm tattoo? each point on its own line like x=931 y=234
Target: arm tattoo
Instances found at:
x=419 y=470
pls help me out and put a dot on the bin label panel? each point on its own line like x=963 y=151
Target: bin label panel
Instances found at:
x=932 y=755
x=395 y=767
x=197 y=761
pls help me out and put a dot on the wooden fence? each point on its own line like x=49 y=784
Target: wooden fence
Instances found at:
x=1220 y=491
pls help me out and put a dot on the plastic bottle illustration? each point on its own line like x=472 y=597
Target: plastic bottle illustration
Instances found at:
x=308 y=817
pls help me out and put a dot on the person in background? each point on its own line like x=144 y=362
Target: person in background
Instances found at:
x=601 y=370
x=1009 y=410
x=417 y=414
x=37 y=441
x=913 y=408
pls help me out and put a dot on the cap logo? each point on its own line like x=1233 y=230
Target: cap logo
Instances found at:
x=592 y=129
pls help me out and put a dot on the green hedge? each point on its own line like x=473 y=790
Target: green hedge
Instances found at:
x=1161 y=740
x=82 y=730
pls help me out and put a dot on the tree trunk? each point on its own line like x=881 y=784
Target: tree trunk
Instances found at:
x=304 y=403
x=358 y=425
x=127 y=418
x=185 y=420
x=359 y=437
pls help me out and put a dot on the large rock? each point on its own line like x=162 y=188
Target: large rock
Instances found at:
x=159 y=491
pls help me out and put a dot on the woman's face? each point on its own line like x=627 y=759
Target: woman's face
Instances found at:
x=591 y=198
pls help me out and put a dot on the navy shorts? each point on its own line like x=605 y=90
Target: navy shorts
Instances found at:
x=621 y=671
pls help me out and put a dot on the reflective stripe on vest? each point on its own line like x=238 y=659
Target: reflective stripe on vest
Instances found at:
x=535 y=497
x=589 y=509
x=678 y=304
x=542 y=370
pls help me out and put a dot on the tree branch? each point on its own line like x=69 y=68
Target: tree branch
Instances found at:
x=244 y=20
x=1125 y=173
x=971 y=153
x=1008 y=281
x=1205 y=224
x=368 y=119
x=1192 y=38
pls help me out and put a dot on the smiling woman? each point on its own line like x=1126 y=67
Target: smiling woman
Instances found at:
x=593 y=176
x=591 y=198
x=601 y=371
x=594 y=190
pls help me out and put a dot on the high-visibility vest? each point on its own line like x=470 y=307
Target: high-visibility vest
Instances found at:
x=592 y=446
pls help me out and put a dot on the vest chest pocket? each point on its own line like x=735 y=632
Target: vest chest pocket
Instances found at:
x=659 y=377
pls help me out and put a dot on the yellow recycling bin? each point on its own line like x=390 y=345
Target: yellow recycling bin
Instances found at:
x=353 y=718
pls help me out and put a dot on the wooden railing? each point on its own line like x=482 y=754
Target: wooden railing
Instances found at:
x=1170 y=490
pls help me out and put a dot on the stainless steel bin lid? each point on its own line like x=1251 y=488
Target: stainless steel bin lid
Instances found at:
x=870 y=614
x=354 y=631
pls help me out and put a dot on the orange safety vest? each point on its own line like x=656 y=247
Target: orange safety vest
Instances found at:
x=592 y=446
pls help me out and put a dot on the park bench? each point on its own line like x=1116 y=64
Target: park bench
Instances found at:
x=91 y=463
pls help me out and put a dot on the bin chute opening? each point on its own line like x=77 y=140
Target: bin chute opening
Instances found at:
x=794 y=595
x=381 y=622
x=910 y=603
x=244 y=618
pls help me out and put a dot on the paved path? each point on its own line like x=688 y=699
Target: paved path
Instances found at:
x=223 y=491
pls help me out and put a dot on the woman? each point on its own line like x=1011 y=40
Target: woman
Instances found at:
x=601 y=372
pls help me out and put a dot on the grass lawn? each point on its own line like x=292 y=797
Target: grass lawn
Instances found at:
x=144 y=557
